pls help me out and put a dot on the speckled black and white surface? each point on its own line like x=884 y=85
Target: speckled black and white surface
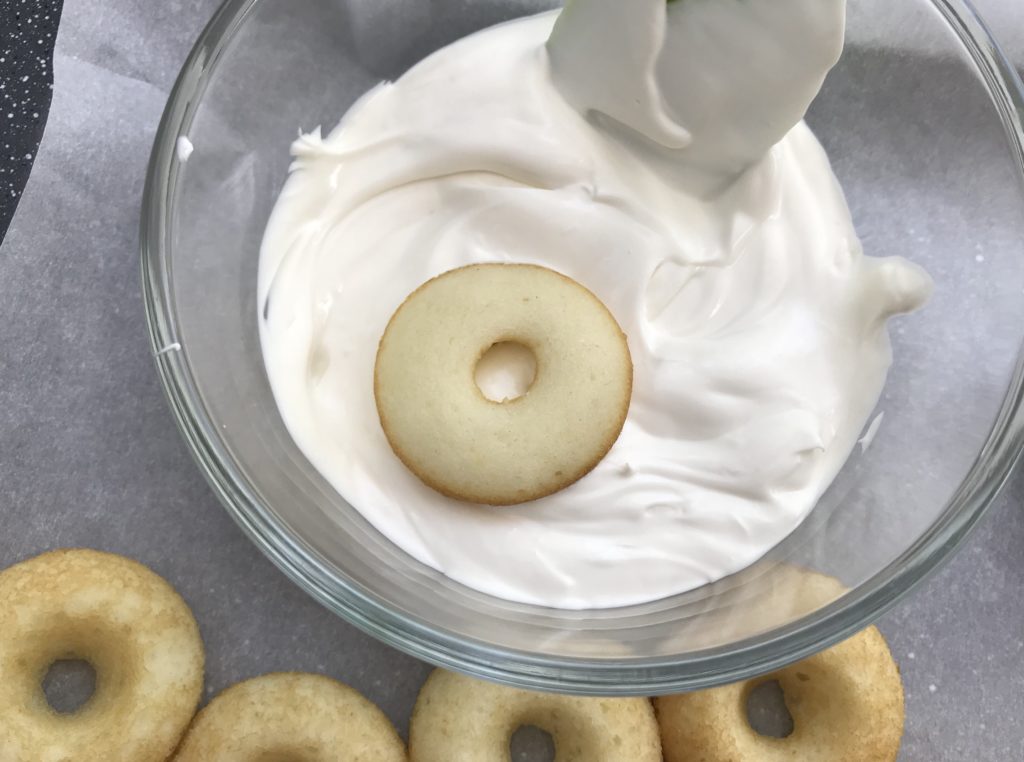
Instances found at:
x=89 y=454
x=28 y=31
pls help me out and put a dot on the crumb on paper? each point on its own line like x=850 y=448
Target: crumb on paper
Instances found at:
x=185 y=148
x=869 y=436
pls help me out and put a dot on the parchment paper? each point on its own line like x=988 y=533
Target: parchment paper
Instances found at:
x=89 y=454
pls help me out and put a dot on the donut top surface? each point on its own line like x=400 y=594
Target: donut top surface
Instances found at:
x=471 y=448
x=129 y=625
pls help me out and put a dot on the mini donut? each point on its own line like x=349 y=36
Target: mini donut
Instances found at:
x=460 y=719
x=846 y=704
x=469 y=448
x=291 y=716
x=124 y=620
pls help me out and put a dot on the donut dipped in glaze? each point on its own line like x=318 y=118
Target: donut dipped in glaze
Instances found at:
x=469 y=447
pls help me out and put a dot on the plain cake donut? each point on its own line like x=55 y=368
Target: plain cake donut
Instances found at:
x=461 y=719
x=124 y=620
x=846 y=704
x=470 y=448
x=291 y=716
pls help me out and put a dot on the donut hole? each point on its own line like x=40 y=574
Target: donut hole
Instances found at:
x=69 y=684
x=531 y=744
x=505 y=371
x=767 y=712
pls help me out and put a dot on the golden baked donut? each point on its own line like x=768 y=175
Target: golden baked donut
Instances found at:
x=461 y=719
x=462 y=444
x=846 y=704
x=291 y=716
x=125 y=621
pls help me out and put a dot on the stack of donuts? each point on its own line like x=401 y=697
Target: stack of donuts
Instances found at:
x=143 y=642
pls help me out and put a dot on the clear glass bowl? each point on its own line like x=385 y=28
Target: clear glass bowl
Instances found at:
x=922 y=119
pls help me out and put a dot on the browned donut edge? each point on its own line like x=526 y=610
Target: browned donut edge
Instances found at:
x=497 y=499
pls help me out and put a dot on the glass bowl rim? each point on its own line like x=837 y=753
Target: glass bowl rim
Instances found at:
x=635 y=676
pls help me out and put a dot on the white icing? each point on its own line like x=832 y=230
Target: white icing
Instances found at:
x=184 y=148
x=657 y=157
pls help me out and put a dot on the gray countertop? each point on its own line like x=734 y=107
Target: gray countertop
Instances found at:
x=89 y=455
